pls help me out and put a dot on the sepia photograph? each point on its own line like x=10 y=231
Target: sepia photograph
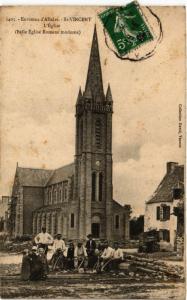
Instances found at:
x=92 y=152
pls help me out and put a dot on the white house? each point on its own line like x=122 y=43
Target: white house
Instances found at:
x=159 y=208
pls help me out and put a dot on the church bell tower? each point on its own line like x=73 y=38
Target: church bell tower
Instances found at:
x=93 y=153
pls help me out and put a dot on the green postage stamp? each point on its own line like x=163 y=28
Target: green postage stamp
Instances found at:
x=126 y=27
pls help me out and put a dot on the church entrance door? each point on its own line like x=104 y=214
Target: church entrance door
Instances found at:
x=96 y=230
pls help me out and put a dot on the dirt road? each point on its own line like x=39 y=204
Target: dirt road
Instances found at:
x=83 y=286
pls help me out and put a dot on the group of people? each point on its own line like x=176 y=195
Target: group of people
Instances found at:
x=77 y=257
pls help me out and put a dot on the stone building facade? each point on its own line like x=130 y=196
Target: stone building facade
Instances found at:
x=77 y=199
x=159 y=208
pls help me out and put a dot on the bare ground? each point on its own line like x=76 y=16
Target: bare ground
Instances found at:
x=83 y=286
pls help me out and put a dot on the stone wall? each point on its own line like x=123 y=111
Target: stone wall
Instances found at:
x=150 y=220
x=33 y=199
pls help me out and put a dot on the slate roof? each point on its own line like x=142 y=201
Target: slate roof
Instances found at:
x=42 y=177
x=61 y=174
x=164 y=192
x=33 y=177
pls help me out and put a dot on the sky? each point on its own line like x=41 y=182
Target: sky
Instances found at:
x=41 y=75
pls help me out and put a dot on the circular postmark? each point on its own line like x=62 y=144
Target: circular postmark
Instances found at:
x=131 y=33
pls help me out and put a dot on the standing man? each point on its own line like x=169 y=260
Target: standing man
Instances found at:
x=90 y=247
x=43 y=239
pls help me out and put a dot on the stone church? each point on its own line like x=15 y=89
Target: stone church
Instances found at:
x=76 y=199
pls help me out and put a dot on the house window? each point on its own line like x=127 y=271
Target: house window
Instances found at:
x=93 y=186
x=98 y=129
x=100 y=186
x=163 y=212
x=164 y=235
x=117 y=221
x=72 y=221
x=166 y=212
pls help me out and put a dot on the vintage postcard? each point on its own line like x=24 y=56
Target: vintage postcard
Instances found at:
x=92 y=152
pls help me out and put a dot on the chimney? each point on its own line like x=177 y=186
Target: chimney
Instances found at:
x=171 y=166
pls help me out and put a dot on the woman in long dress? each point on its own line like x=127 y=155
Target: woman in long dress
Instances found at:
x=36 y=265
x=25 y=266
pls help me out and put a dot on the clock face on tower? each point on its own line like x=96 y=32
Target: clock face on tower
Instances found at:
x=98 y=163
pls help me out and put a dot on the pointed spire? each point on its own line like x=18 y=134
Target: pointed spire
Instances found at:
x=94 y=76
x=79 y=95
x=109 y=94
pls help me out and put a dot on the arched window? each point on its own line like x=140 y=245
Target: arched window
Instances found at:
x=34 y=222
x=61 y=195
x=55 y=224
x=55 y=196
x=96 y=226
x=100 y=186
x=98 y=130
x=117 y=221
x=39 y=222
x=43 y=220
x=72 y=220
x=48 y=222
x=93 y=186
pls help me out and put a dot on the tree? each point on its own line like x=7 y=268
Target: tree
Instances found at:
x=136 y=226
x=178 y=211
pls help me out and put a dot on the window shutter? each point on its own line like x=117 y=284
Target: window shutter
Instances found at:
x=166 y=212
x=158 y=213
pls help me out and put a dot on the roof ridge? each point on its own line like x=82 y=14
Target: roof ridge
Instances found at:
x=28 y=168
x=64 y=166
x=163 y=192
x=67 y=170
